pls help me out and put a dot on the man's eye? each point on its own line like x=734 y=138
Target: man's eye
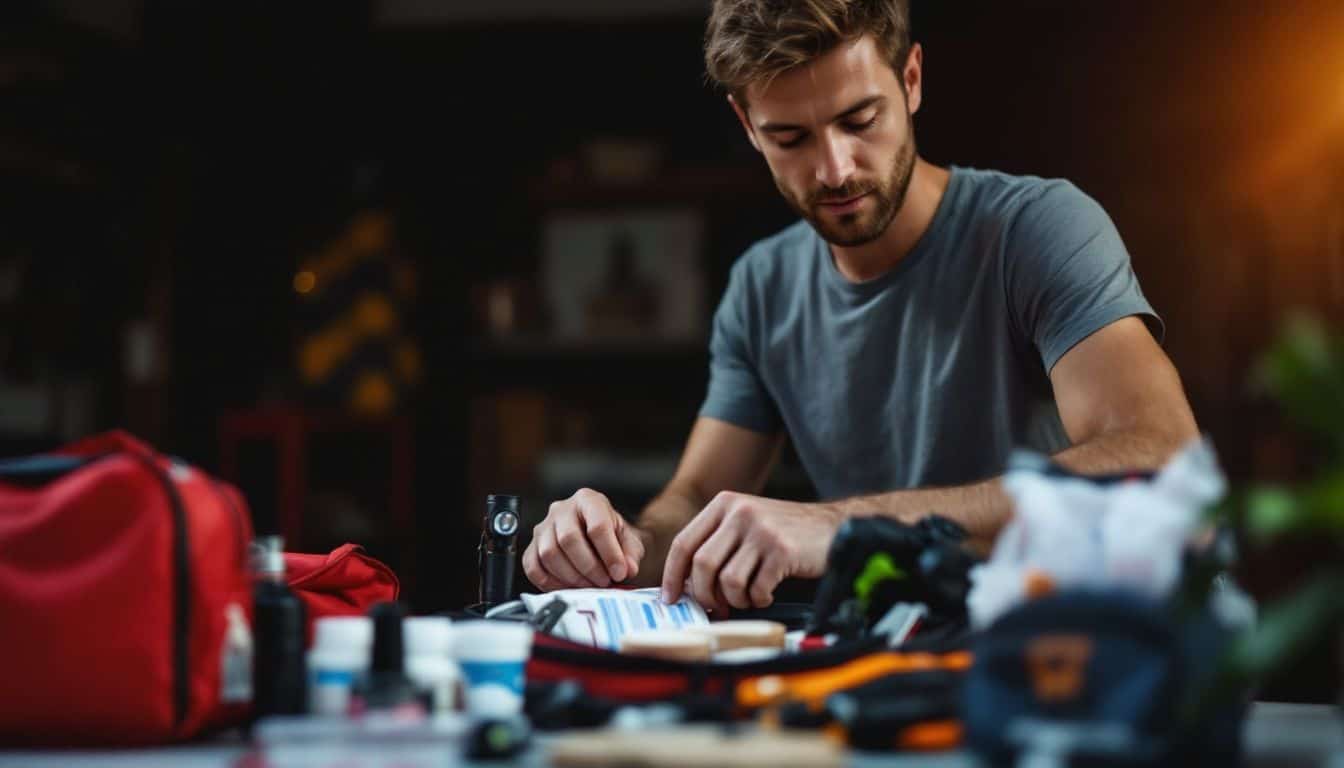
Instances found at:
x=791 y=142
x=859 y=127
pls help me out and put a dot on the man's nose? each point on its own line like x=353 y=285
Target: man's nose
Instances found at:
x=836 y=163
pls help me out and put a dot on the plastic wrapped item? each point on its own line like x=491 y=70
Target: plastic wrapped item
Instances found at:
x=1073 y=531
x=601 y=617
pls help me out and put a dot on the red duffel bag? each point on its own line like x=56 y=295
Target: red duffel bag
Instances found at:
x=125 y=597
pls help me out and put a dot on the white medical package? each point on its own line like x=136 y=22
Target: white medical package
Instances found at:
x=601 y=617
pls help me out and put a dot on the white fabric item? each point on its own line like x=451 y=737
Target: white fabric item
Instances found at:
x=1082 y=534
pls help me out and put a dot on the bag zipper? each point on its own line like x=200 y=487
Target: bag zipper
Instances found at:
x=181 y=589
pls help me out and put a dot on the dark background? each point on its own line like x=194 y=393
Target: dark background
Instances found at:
x=167 y=168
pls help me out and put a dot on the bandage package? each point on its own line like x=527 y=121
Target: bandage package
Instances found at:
x=601 y=617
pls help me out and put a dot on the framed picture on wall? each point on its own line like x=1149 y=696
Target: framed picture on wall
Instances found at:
x=625 y=274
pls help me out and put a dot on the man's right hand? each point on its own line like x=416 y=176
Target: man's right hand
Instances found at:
x=583 y=542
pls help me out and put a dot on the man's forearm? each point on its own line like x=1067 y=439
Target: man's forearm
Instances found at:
x=658 y=525
x=1122 y=451
x=983 y=508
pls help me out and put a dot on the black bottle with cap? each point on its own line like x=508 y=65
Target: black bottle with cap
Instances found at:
x=499 y=548
x=279 y=668
x=387 y=686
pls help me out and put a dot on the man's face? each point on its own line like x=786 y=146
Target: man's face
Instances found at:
x=839 y=138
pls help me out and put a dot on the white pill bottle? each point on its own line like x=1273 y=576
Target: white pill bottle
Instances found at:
x=430 y=664
x=338 y=659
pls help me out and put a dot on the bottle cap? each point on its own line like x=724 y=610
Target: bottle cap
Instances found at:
x=268 y=556
x=353 y=632
x=428 y=635
x=492 y=640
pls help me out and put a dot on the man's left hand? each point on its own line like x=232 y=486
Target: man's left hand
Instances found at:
x=740 y=547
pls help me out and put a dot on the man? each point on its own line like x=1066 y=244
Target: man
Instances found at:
x=914 y=328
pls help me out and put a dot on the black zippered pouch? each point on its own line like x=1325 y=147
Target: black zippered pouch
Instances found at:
x=1102 y=677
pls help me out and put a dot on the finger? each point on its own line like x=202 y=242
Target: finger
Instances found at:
x=633 y=546
x=736 y=576
x=533 y=570
x=706 y=564
x=768 y=577
x=553 y=559
x=599 y=523
x=720 y=610
x=678 y=565
x=573 y=542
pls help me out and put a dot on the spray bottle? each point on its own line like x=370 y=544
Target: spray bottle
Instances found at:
x=280 y=674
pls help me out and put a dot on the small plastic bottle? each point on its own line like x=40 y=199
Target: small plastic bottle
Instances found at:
x=338 y=660
x=280 y=677
x=429 y=662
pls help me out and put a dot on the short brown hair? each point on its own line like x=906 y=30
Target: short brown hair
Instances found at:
x=755 y=40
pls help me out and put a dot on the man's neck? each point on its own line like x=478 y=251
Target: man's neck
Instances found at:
x=872 y=260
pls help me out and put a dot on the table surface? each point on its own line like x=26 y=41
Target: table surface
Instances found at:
x=1275 y=735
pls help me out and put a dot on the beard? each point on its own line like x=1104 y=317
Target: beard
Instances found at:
x=863 y=226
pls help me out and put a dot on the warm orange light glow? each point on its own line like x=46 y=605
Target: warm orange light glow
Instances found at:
x=305 y=281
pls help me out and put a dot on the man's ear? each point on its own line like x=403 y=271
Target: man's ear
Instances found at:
x=912 y=76
x=745 y=121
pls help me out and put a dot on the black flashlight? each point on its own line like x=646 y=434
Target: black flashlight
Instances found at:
x=499 y=548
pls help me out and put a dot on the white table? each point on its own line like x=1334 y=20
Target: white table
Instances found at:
x=1275 y=735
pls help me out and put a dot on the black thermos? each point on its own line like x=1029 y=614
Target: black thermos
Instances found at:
x=499 y=550
x=279 y=669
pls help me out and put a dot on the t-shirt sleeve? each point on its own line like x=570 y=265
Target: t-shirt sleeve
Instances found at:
x=737 y=393
x=1068 y=273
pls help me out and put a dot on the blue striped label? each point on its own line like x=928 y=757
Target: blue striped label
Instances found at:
x=333 y=677
x=506 y=674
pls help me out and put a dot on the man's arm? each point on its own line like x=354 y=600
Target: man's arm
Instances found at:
x=718 y=457
x=1122 y=405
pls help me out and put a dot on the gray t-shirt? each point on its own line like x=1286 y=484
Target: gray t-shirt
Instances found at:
x=934 y=372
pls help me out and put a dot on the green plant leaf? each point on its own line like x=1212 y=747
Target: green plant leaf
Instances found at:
x=1304 y=371
x=1287 y=627
x=1325 y=501
x=1271 y=511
